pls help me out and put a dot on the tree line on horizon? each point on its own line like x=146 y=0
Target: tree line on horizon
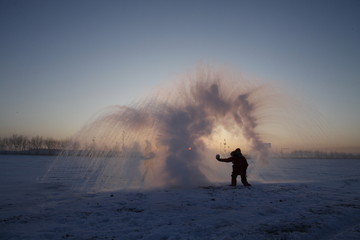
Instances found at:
x=21 y=143
x=307 y=154
x=24 y=143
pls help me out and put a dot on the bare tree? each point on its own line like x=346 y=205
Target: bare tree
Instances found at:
x=36 y=142
x=18 y=142
x=24 y=142
x=51 y=143
x=3 y=144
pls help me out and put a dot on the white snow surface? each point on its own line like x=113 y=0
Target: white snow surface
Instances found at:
x=289 y=199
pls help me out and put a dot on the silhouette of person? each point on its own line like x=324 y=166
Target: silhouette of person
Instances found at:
x=240 y=165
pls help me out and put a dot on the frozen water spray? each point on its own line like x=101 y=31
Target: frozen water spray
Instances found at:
x=166 y=139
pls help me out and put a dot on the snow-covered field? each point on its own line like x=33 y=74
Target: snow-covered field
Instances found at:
x=289 y=199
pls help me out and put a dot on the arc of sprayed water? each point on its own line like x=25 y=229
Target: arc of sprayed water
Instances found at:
x=244 y=116
x=175 y=123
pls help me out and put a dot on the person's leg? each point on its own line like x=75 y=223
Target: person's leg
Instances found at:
x=233 y=179
x=243 y=178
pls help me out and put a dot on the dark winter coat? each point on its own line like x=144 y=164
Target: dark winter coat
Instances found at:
x=239 y=162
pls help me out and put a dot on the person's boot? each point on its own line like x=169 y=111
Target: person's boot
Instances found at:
x=245 y=182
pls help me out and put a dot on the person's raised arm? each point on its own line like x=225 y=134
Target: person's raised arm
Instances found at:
x=222 y=159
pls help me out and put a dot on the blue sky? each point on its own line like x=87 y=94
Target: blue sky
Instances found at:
x=63 y=61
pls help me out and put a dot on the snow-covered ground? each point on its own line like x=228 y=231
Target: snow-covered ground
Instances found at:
x=289 y=199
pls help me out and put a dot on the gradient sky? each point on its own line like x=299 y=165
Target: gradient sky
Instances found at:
x=63 y=61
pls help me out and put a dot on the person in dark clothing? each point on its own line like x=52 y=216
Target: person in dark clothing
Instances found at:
x=240 y=165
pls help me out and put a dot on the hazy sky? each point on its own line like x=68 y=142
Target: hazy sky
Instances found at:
x=63 y=61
